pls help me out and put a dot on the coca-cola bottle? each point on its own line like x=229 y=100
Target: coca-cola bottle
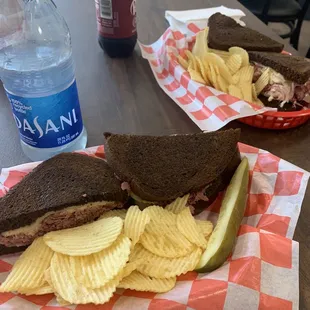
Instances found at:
x=116 y=21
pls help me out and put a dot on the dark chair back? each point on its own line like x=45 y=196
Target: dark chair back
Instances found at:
x=261 y=9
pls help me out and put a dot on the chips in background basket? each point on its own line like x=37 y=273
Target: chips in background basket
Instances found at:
x=254 y=95
x=234 y=63
x=201 y=47
x=102 y=234
x=139 y=282
x=262 y=81
x=218 y=62
x=183 y=62
x=213 y=76
x=203 y=71
x=28 y=271
x=229 y=72
x=162 y=267
x=135 y=223
x=196 y=76
x=223 y=54
x=242 y=52
x=234 y=91
x=236 y=78
x=192 y=62
x=246 y=74
x=97 y=269
x=223 y=85
x=246 y=89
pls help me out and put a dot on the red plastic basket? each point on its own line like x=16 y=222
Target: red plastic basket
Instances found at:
x=277 y=120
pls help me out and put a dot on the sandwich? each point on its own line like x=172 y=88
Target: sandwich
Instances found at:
x=159 y=169
x=225 y=32
x=65 y=191
x=289 y=77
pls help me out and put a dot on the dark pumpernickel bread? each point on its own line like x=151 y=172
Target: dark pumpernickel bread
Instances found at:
x=162 y=168
x=219 y=184
x=225 y=32
x=10 y=250
x=65 y=180
x=293 y=68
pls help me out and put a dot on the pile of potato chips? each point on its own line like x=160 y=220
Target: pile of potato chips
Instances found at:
x=227 y=71
x=131 y=249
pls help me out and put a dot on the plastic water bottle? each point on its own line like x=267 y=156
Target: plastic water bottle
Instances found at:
x=37 y=72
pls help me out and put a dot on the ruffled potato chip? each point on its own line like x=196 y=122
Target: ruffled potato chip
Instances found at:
x=219 y=63
x=97 y=269
x=178 y=205
x=196 y=76
x=201 y=46
x=45 y=289
x=70 y=290
x=234 y=63
x=114 y=213
x=206 y=227
x=135 y=223
x=183 y=62
x=28 y=271
x=102 y=234
x=192 y=62
x=235 y=91
x=223 y=54
x=161 y=267
x=139 y=282
x=262 y=81
x=187 y=226
x=246 y=89
x=242 y=52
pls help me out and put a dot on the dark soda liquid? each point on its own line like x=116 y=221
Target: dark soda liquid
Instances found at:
x=118 y=48
x=116 y=23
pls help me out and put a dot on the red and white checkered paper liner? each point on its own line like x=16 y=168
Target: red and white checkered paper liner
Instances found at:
x=261 y=273
x=208 y=108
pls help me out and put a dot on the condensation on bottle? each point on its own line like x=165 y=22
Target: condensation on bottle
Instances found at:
x=37 y=71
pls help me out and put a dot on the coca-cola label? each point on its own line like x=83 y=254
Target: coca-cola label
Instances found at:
x=116 y=18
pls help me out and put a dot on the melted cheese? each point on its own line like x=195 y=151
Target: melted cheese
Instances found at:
x=33 y=228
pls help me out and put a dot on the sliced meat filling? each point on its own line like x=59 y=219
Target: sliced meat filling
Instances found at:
x=66 y=218
x=281 y=89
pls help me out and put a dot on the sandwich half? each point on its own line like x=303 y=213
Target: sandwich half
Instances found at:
x=225 y=32
x=65 y=191
x=289 y=77
x=158 y=169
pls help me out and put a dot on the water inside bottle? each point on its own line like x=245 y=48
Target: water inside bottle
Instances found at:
x=41 y=65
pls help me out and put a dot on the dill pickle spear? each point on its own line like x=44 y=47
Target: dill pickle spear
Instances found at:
x=223 y=237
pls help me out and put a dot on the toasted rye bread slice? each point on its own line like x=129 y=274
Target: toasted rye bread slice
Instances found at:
x=10 y=250
x=293 y=68
x=225 y=32
x=162 y=168
x=65 y=180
